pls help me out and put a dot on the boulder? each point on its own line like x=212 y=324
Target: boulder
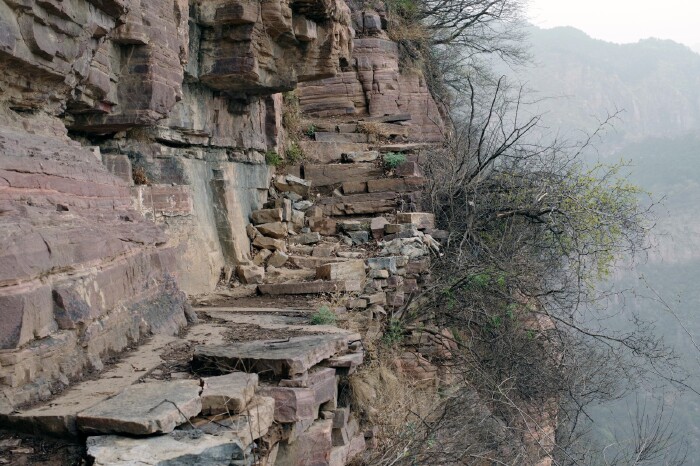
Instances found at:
x=266 y=216
x=250 y=274
x=278 y=259
x=276 y=230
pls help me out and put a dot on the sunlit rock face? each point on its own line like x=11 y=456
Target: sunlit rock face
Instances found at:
x=132 y=142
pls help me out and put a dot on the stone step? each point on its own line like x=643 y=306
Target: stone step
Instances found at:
x=222 y=439
x=341 y=137
x=314 y=287
x=312 y=262
x=58 y=417
x=287 y=358
x=364 y=204
x=329 y=152
x=332 y=174
x=143 y=409
x=389 y=118
x=406 y=147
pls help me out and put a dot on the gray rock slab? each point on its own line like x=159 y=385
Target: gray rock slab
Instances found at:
x=285 y=358
x=175 y=449
x=228 y=393
x=142 y=409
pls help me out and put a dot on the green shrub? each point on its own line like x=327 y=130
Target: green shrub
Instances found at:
x=311 y=131
x=394 y=159
x=394 y=332
x=273 y=158
x=294 y=153
x=324 y=316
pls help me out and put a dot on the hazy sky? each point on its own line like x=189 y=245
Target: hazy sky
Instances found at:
x=623 y=21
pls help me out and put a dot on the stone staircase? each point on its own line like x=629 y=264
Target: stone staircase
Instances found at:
x=244 y=386
x=347 y=225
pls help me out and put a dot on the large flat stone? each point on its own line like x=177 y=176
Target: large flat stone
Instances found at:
x=228 y=393
x=284 y=358
x=142 y=409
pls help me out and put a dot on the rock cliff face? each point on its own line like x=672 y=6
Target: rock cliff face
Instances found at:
x=133 y=136
x=374 y=85
x=181 y=97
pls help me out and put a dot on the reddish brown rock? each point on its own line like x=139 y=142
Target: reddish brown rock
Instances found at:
x=228 y=394
x=347 y=270
x=313 y=447
x=326 y=175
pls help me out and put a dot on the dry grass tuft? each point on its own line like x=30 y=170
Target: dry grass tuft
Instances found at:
x=393 y=404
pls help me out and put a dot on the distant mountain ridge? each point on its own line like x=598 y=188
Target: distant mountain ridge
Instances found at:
x=655 y=82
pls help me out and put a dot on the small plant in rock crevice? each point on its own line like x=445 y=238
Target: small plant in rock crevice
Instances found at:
x=273 y=158
x=324 y=316
x=294 y=153
x=311 y=131
x=394 y=159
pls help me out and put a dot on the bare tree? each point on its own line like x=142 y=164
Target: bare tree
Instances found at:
x=532 y=231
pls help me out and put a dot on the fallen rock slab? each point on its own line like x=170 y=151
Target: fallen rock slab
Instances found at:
x=284 y=358
x=142 y=409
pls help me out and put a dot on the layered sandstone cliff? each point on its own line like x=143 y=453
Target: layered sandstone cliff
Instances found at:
x=133 y=136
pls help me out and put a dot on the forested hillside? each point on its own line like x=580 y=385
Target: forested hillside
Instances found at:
x=655 y=87
x=656 y=83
